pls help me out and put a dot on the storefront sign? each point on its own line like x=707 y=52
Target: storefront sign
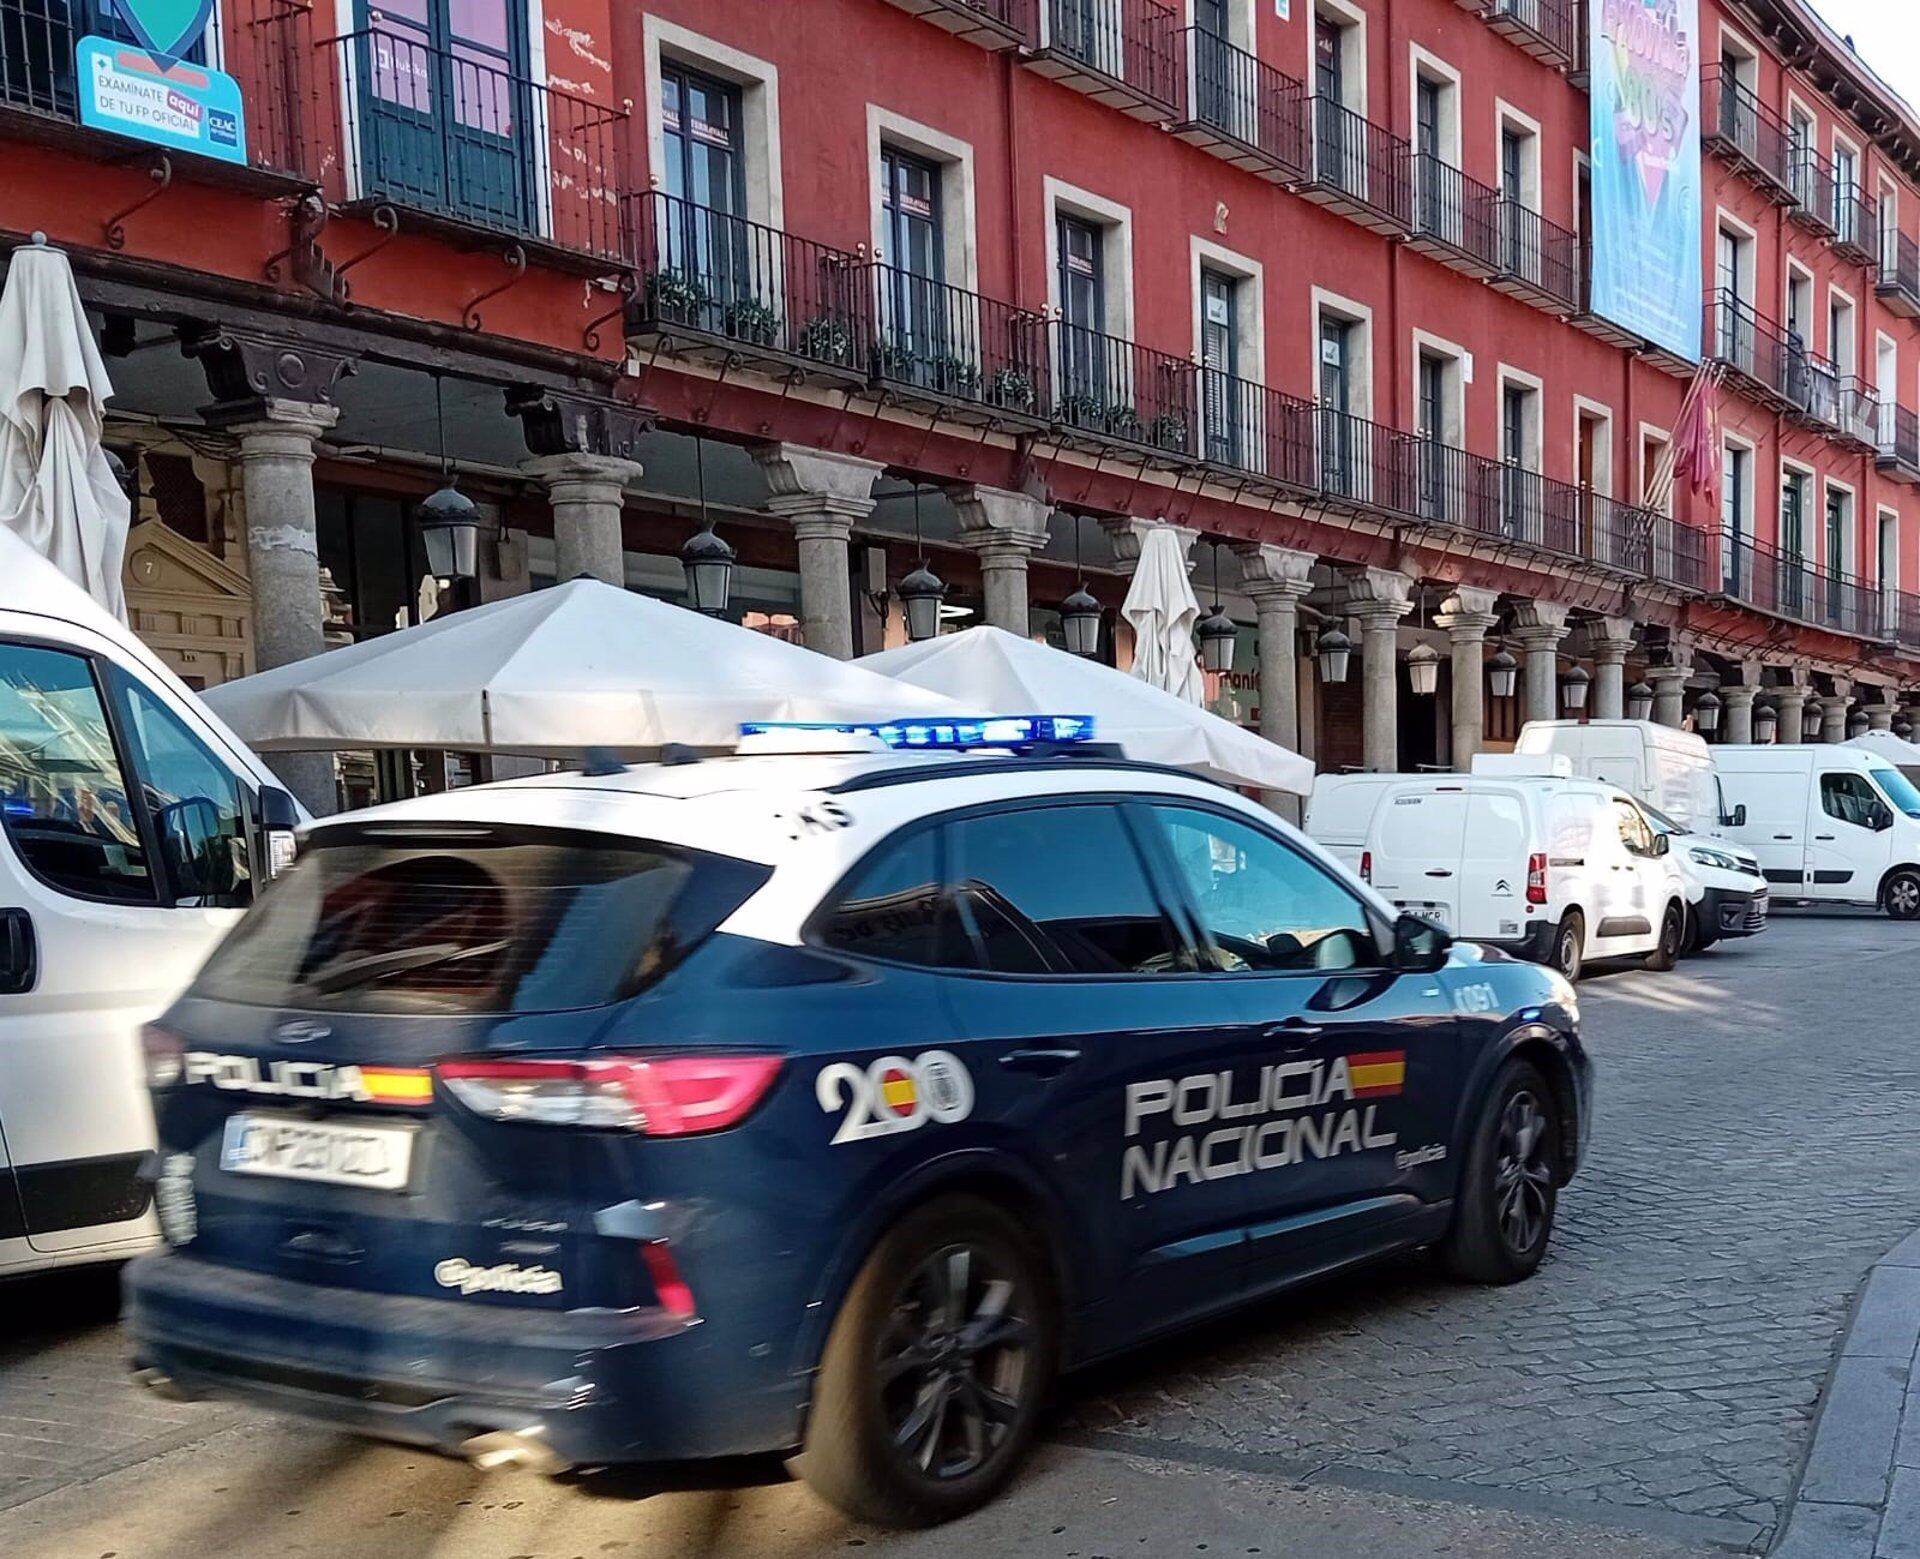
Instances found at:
x=1646 y=168
x=189 y=108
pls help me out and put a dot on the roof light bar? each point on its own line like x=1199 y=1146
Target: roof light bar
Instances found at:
x=949 y=735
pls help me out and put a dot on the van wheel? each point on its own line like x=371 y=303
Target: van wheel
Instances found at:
x=1901 y=895
x=1673 y=936
x=935 y=1370
x=1569 y=945
x=1509 y=1188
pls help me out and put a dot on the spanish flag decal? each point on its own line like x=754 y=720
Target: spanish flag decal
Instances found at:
x=1377 y=1073
x=397 y=1084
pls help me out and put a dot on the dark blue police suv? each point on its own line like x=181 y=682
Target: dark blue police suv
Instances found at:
x=820 y=1101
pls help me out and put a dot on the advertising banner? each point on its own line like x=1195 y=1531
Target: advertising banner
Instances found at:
x=1647 y=273
x=171 y=103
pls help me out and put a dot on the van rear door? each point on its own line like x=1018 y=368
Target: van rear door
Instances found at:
x=1493 y=864
x=1417 y=839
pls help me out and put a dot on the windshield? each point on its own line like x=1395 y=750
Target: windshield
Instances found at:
x=1897 y=788
x=1662 y=824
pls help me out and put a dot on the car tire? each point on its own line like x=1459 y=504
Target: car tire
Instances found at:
x=1900 y=894
x=1509 y=1189
x=1567 y=951
x=936 y=1368
x=1673 y=933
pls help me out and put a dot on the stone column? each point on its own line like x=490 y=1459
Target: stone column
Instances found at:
x=822 y=496
x=1833 y=712
x=1610 y=641
x=586 y=493
x=1791 y=698
x=1880 y=715
x=1736 y=715
x=1278 y=579
x=1468 y=616
x=1377 y=598
x=1003 y=530
x=283 y=562
x=1670 y=688
x=1126 y=533
x=1539 y=626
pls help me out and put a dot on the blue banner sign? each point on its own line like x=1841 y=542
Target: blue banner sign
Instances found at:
x=171 y=103
x=1647 y=271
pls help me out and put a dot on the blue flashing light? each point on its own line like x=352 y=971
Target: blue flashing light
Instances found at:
x=946 y=735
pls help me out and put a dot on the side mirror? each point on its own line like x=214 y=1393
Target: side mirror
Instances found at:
x=1419 y=946
x=1737 y=818
x=1662 y=845
x=279 y=817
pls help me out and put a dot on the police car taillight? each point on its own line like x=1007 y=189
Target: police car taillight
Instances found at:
x=663 y=1096
x=1536 y=879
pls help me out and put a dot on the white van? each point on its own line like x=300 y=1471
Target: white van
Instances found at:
x=1668 y=769
x=133 y=827
x=1556 y=870
x=1830 y=824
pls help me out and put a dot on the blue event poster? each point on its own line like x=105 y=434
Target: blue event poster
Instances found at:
x=170 y=103
x=1647 y=260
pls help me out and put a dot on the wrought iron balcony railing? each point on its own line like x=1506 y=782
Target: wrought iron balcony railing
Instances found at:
x=1811 y=175
x=1899 y=282
x=708 y=277
x=444 y=134
x=1244 y=110
x=1747 y=133
x=1124 y=53
x=1539 y=259
x=1456 y=218
x=993 y=24
x=1359 y=169
x=957 y=349
x=1115 y=391
x=1898 y=449
x=1782 y=585
x=1767 y=363
x=1856 y=224
x=1549 y=30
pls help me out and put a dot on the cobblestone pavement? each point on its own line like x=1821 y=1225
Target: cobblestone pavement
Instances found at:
x=1654 y=1385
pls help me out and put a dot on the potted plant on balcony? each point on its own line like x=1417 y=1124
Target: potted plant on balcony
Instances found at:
x=827 y=339
x=1124 y=422
x=1011 y=389
x=750 y=320
x=1081 y=410
x=676 y=295
x=954 y=375
x=1170 y=432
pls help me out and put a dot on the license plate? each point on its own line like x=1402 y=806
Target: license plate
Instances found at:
x=1437 y=913
x=337 y=1152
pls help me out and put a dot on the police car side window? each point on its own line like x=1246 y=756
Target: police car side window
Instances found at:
x=1262 y=905
x=895 y=906
x=1059 y=890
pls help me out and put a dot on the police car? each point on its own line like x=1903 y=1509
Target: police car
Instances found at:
x=830 y=1100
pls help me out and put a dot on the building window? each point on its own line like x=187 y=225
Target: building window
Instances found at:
x=916 y=328
x=1793 y=518
x=1083 y=308
x=700 y=122
x=1434 y=370
x=1887 y=561
x=1736 y=520
x=1846 y=192
x=1339 y=437
x=1519 y=454
x=1220 y=364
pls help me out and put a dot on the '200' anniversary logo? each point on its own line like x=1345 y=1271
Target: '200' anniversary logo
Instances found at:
x=895 y=1093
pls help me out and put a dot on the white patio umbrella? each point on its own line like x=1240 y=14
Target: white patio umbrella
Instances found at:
x=990 y=671
x=584 y=664
x=1161 y=607
x=57 y=490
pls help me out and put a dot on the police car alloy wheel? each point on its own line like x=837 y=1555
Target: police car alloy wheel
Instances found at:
x=1510 y=1188
x=935 y=1370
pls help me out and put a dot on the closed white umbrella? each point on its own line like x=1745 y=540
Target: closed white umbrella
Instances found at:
x=1161 y=607
x=990 y=671
x=582 y=665
x=57 y=489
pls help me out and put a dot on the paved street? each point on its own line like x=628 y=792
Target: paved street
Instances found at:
x=1649 y=1395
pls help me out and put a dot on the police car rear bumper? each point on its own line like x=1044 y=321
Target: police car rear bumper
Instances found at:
x=577 y=1388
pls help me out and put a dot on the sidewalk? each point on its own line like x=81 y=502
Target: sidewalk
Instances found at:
x=1859 y=1495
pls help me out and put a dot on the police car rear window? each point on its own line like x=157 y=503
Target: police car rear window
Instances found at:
x=473 y=921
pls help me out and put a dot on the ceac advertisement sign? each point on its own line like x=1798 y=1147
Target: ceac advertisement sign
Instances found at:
x=149 y=91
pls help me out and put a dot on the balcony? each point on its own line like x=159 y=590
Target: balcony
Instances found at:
x=1747 y=134
x=1124 y=53
x=1765 y=363
x=1856 y=224
x=1899 y=280
x=717 y=288
x=1898 y=453
x=955 y=353
x=1456 y=219
x=1243 y=111
x=1252 y=431
x=268 y=56
x=1539 y=260
x=467 y=149
x=1110 y=392
x=1811 y=176
x=1549 y=30
x=992 y=24
x=1762 y=576
x=1359 y=169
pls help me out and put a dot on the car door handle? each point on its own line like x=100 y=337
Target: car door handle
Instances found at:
x=19 y=953
x=1042 y=1063
x=1823 y=838
x=1292 y=1034
x=1439 y=874
x=1787 y=837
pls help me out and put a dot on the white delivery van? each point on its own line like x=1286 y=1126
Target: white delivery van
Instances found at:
x=133 y=828
x=1340 y=810
x=1727 y=893
x=1830 y=824
x=1556 y=870
x=1669 y=769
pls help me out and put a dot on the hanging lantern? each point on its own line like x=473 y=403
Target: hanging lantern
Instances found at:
x=1423 y=670
x=708 y=561
x=1573 y=687
x=1706 y=713
x=1857 y=724
x=450 y=532
x=1903 y=728
x=1217 y=636
x=1639 y=701
x=1333 y=649
x=921 y=592
x=1080 y=616
x=1503 y=672
x=1812 y=722
x=1766 y=725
